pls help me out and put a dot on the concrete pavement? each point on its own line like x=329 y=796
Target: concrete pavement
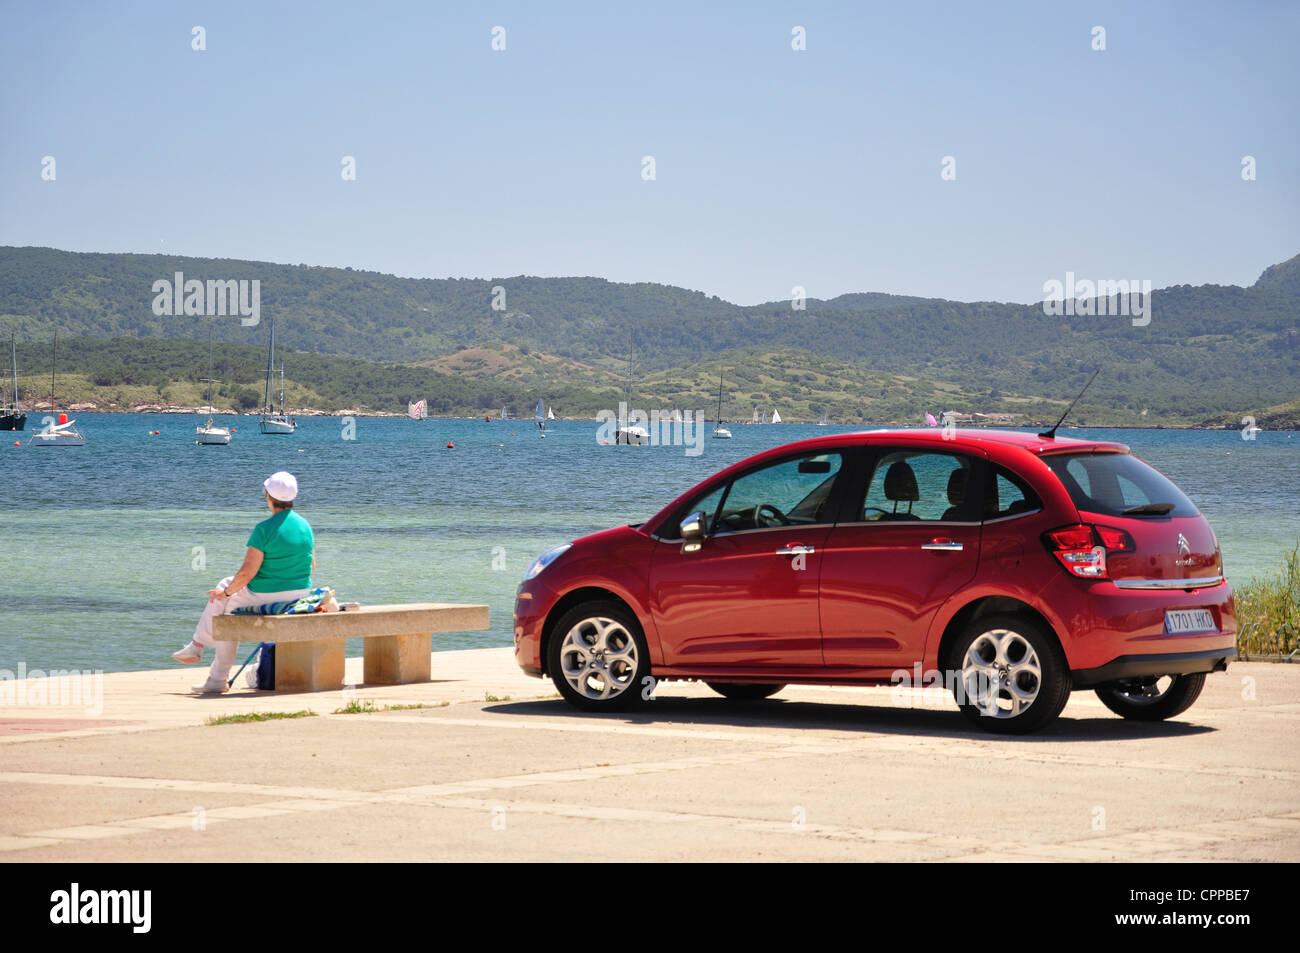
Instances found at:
x=815 y=773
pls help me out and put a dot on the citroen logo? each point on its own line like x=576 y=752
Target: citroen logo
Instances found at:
x=1183 y=548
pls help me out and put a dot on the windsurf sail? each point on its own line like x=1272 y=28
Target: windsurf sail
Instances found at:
x=418 y=411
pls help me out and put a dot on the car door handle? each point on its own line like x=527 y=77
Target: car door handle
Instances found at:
x=796 y=549
x=944 y=545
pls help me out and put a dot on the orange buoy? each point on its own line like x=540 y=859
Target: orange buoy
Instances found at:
x=17 y=443
x=450 y=445
x=63 y=419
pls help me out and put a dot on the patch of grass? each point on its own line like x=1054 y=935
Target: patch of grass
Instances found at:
x=365 y=706
x=257 y=716
x=356 y=707
x=1268 y=611
x=489 y=697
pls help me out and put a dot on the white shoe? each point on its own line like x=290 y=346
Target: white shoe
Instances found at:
x=191 y=653
x=213 y=686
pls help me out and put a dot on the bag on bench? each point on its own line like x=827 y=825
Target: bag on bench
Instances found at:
x=266 y=668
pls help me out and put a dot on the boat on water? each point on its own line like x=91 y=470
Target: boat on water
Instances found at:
x=630 y=435
x=822 y=421
x=60 y=431
x=550 y=413
x=505 y=413
x=208 y=435
x=720 y=432
x=776 y=416
x=539 y=417
x=272 y=422
x=11 y=418
x=418 y=410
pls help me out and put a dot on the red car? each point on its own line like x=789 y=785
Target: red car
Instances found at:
x=1011 y=568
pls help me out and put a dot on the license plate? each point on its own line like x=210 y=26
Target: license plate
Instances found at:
x=1183 y=621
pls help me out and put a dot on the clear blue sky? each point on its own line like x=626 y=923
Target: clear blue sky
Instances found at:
x=774 y=168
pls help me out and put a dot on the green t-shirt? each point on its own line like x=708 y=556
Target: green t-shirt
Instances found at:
x=286 y=543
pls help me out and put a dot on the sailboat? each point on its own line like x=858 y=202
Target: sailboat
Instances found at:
x=271 y=422
x=550 y=413
x=539 y=417
x=720 y=432
x=62 y=433
x=208 y=435
x=776 y=416
x=11 y=418
x=631 y=435
x=505 y=413
x=419 y=410
x=822 y=422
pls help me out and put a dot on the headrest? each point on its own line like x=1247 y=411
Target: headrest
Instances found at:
x=900 y=483
x=957 y=486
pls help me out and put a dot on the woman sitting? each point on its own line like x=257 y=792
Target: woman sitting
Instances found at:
x=277 y=568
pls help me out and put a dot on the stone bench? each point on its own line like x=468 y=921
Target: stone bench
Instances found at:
x=309 y=648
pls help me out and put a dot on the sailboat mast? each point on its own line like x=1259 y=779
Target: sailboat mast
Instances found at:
x=54 y=360
x=270 y=363
x=13 y=350
x=719 y=396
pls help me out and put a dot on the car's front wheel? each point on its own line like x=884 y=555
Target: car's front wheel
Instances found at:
x=597 y=657
x=1012 y=676
x=744 y=691
x=1154 y=698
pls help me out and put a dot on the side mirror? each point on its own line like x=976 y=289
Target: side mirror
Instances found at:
x=692 y=530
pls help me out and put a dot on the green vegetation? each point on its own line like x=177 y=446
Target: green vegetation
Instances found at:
x=1268 y=611
x=365 y=706
x=1210 y=355
x=257 y=716
x=489 y=697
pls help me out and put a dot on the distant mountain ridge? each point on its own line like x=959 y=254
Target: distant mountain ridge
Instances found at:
x=1209 y=350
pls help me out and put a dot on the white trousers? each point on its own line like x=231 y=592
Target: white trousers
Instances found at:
x=226 y=651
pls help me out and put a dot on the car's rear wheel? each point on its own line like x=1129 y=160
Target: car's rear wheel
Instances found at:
x=744 y=691
x=1012 y=674
x=597 y=657
x=1152 y=699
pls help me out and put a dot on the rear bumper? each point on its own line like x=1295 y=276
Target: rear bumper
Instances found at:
x=1138 y=666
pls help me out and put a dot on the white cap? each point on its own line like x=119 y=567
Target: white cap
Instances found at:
x=281 y=486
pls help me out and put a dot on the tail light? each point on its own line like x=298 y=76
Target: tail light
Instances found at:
x=1082 y=547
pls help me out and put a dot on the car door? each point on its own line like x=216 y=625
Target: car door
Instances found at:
x=911 y=542
x=748 y=596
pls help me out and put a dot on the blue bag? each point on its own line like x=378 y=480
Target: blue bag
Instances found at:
x=266 y=668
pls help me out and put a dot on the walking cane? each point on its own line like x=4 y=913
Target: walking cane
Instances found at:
x=245 y=665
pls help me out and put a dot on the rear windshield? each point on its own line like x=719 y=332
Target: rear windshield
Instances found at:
x=1116 y=484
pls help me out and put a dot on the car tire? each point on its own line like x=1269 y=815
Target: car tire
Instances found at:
x=597 y=657
x=744 y=691
x=1011 y=675
x=1146 y=700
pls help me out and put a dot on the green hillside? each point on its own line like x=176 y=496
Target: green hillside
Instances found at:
x=1210 y=352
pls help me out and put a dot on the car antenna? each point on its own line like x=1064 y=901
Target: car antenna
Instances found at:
x=1051 y=434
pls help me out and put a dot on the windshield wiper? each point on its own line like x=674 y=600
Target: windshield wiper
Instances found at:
x=1149 y=509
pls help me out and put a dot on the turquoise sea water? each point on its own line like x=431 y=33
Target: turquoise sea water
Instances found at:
x=106 y=550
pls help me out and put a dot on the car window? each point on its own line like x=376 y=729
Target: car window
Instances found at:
x=794 y=492
x=917 y=485
x=1110 y=483
x=1008 y=495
